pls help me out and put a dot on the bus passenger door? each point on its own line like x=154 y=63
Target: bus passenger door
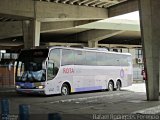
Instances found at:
x=52 y=71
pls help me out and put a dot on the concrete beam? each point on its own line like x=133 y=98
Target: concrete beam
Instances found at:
x=123 y=8
x=16 y=8
x=11 y=43
x=56 y=26
x=96 y=35
x=46 y=11
x=50 y=11
x=14 y=29
x=10 y=29
x=7 y=47
x=114 y=24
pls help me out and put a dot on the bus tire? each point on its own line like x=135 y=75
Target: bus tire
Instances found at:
x=65 y=90
x=118 y=85
x=110 y=86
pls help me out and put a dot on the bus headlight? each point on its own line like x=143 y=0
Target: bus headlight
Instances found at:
x=17 y=86
x=40 y=87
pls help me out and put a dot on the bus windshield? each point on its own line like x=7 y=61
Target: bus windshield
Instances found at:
x=29 y=65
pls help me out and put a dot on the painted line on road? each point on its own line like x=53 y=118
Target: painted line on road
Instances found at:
x=87 y=98
x=151 y=110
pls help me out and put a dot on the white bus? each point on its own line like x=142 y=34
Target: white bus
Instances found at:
x=64 y=70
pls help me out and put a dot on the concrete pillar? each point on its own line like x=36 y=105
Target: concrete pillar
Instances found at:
x=31 y=33
x=92 y=44
x=150 y=29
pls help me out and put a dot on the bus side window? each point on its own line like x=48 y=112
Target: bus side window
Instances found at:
x=91 y=58
x=79 y=57
x=67 y=57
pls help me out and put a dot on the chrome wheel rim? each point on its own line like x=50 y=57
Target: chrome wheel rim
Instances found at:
x=64 y=90
x=118 y=86
x=110 y=87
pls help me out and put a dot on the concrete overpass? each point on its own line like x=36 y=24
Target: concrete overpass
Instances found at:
x=30 y=17
x=55 y=20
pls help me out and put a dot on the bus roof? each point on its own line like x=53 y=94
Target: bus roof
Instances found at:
x=82 y=49
x=89 y=49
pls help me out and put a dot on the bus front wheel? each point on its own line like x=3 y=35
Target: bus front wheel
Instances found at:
x=110 y=86
x=65 y=89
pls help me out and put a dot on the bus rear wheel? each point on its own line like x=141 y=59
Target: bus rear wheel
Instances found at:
x=118 y=85
x=110 y=86
x=65 y=90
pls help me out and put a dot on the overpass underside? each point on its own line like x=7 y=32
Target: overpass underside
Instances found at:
x=56 y=20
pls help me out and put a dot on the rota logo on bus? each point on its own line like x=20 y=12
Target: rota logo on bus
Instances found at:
x=68 y=70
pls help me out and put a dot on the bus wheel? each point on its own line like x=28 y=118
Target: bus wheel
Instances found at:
x=65 y=89
x=118 y=85
x=110 y=86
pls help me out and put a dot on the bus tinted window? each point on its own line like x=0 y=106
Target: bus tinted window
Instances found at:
x=124 y=59
x=33 y=59
x=101 y=59
x=115 y=60
x=55 y=57
x=91 y=58
x=79 y=57
x=108 y=59
x=67 y=57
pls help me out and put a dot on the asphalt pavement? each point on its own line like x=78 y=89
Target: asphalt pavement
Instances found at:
x=130 y=104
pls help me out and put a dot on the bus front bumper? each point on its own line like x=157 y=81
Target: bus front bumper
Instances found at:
x=31 y=91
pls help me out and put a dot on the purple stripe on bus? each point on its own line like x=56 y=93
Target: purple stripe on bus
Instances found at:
x=88 y=88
